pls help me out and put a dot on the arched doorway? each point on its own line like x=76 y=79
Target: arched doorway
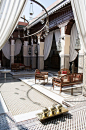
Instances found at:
x=53 y=60
x=19 y=58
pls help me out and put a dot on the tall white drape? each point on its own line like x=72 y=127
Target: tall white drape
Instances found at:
x=79 y=10
x=8 y=20
x=57 y=36
x=48 y=44
x=18 y=45
x=73 y=36
x=6 y=50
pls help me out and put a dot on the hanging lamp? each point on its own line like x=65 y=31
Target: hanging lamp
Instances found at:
x=31 y=8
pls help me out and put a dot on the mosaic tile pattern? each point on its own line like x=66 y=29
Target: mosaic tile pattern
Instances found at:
x=75 y=100
x=74 y=120
x=20 y=98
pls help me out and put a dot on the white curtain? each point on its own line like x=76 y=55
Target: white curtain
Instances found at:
x=12 y=10
x=73 y=36
x=6 y=50
x=57 y=36
x=18 y=45
x=79 y=10
x=47 y=45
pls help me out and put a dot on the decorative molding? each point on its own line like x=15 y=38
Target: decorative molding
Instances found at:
x=40 y=55
x=11 y=56
x=63 y=24
x=66 y=55
x=51 y=11
x=81 y=55
x=26 y=56
x=33 y=56
x=66 y=35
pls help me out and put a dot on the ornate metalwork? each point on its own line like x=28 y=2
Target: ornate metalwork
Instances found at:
x=46 y=26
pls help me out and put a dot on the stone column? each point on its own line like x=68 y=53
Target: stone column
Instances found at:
x=66 y=51
x=80 y=63
x=32 y=53
x=84 y=76
x=34 y=57
x=81 y=59
x=64 y=54
x=29 y=56
x=12 y=51
x=40 y=53
x=25 y=53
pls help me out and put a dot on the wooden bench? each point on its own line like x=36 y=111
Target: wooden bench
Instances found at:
x=17 y=66
x=64 y=71
x=68 y=80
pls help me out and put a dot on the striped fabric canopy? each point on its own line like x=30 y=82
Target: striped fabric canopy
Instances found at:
x=10 y=11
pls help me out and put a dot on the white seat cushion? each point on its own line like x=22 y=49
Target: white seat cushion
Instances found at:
x=46 y=76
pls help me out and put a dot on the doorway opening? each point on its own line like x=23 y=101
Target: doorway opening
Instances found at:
x=53 y=60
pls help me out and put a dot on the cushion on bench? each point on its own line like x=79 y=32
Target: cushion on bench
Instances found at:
x=64 y=72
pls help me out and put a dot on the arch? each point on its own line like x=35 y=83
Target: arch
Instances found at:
x=69 y=27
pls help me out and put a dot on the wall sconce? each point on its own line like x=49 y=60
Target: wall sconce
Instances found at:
x=41 y=37
x=24 y=35
x=77 y=45
x=35 y=39
x=62 y=38
x=46 y=33
x=18 y=36
x=47 y=28
x=18 y=33
x=29 y=52
x=59 y=48
x=28 y=32
x=42 y=21
x=12 y=36
x=36 y=50
x=24 y=29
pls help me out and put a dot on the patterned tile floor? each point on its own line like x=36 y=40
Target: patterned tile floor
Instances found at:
x=75 y=119
x=66 y=94
x=21 y=98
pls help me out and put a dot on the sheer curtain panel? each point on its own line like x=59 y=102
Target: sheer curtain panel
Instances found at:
x=57 y=36
x=47 y=45
x=12 y=10
x=6 y=50
x=79 y=10
x=73 y=36
x=18 y=46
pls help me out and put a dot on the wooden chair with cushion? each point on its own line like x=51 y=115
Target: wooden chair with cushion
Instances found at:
x=64 y=71
x=41 y=75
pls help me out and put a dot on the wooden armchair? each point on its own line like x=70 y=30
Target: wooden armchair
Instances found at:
x=41 y=75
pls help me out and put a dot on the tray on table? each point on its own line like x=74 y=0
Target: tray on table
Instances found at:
x=63 y=110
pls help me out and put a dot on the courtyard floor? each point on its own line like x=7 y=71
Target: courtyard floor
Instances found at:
x=21 y=99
